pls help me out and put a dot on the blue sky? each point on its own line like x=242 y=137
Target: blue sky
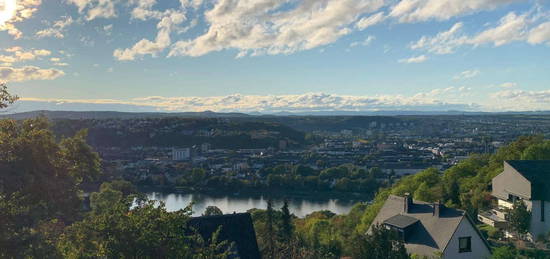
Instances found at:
x=276 y=55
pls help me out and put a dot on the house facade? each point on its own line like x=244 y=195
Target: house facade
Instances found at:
x=529 y=182
x=432 y=230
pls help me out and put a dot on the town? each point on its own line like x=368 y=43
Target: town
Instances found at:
x=244 y=150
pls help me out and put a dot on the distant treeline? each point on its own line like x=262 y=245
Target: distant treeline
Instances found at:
x=182 y=132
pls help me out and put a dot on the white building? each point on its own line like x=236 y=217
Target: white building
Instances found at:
x=180 y=154
x=528 y=181
x=431 y=229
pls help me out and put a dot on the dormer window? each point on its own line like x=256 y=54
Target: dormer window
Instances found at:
x=402 y=224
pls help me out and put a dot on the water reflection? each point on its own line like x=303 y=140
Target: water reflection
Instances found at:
x=238 y=203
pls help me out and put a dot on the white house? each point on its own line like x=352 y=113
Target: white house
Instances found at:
x=431 y=229
x=528 y=181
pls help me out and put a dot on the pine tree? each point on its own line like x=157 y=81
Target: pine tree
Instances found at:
x=286 y=223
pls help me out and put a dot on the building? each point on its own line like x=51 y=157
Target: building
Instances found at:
x=527 y=181
x=235 y=228
x=180 y=154
x=431 y=229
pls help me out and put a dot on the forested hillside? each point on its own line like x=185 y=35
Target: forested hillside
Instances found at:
x=464 y=186
x=184 y=132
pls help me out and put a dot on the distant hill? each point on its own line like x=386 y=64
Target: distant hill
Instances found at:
x=210 y=114
x=78 y=115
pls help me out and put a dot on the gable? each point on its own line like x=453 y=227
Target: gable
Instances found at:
x=430 y=233
x=537 y=172
x=480 y=248
x=510 y=181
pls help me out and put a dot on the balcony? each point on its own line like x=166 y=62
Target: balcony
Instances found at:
x=492 y=218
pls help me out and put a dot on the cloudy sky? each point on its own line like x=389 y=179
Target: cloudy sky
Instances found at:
x=276 y=55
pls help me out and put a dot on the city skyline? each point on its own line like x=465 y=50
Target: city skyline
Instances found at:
x=271 y=55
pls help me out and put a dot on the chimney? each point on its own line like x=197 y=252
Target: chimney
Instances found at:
x=438 y=207
x=407 y=204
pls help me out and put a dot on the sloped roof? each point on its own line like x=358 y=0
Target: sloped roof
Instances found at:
x=237 y=228
x=401 y=221
x=538 y=173
x=432 y=234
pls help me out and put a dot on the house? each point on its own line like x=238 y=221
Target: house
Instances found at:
x=235 y=228
x=431 y=229
x=527 y=181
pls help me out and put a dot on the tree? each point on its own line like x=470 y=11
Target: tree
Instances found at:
x=423 y=193
x=270 y=231
x=212 y=210
x=286 y=223
x=144 y=231
x=39 y=185
x=520 y=218
x=504 y=252
x=539 y=151
x=379 y=243
x=5 y=97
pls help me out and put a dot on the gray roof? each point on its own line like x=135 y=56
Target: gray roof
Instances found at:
x=401 y=221
x=432 y=234
x=538 y=173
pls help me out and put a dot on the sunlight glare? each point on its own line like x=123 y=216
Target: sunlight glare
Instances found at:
x=7 y=10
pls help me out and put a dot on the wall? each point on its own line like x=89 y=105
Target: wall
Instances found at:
x=539 y=227
x=465 y=229
x=510 y=181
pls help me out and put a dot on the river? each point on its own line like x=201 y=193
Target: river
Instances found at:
x=241 y=203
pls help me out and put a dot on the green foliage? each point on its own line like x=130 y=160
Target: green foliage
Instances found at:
x=212 y=211
x=5 y=97
x=504 y=252
x=286 y=224
x=39 y=184
x=379 y=243
x=540 y=151
x=40 y=205
x=144 y=231
x=520 y=218
x=125 y=187
x=490 y=232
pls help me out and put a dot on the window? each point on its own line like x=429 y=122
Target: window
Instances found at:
x=464 y=244
x=542 y=210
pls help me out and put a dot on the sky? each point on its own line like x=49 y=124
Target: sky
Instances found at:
x=276 y=55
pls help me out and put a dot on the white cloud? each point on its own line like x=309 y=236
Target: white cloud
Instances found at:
x=508 y=85
x=432 y=100
x=424 y=10
x=57 y=29
x=540 y=34
x=96 y=8
x=18 y=54
x=108 y=29
x=443 y=43
x=143 y=10
x=146 y=47
x=370 y=21
x=191 y=3
x=11 y=74
x=24 y=10
x=271 y=27
x=522 y=100
x=366 y=42
x=417 y=59
x=510 y=28
x=467 y=74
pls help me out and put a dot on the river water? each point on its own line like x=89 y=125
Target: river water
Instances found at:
x=241 y=203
